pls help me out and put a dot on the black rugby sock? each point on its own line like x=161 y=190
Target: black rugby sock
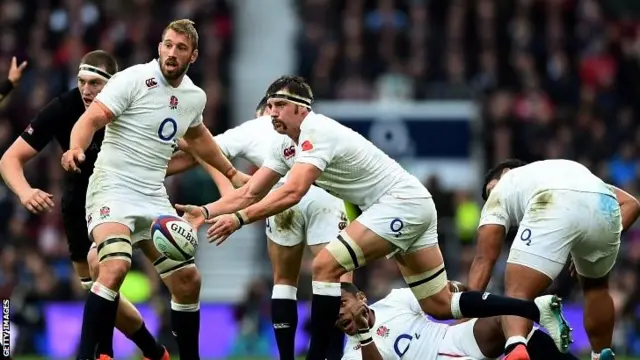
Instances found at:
x=541 y=347
x=185 y=324
x=336 y=347
x=284 y=316
x=98 y=322
x=150 y=348
x=325 y=308
x=475 y=304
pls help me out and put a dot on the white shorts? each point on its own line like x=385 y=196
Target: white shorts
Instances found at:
x=557 y=223
x=128 y=208
x=410 y=224
x=317 y=219
x=460 y=343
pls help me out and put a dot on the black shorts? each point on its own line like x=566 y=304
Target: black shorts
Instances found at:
x=75 y=227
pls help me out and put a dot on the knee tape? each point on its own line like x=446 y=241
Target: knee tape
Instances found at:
x=165 y=266
x=428 y=283
x=86 y=283
x=346 y=252
x=115 y=247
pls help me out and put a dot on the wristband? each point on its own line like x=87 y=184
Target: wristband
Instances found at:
x=5 y=87
x=240 y=219
x=205 y=212
x=364 y=337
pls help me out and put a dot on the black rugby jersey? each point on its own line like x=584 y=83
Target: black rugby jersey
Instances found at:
x=55 y=121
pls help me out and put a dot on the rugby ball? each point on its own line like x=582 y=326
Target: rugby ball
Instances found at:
x=174 y=237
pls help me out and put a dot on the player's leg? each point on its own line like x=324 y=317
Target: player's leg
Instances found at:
x=422 y=266
x=114 y=255
x=538 y=255
x=594 y=256
x=128 y=319
x=355 y=246
x=285 y=262
x=183 y=281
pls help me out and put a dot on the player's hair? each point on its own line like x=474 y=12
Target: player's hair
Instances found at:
x=101 y=59
x=495 y=173
x=185 y=27
x=350 y=288
x=295 y=86
x=262 y=105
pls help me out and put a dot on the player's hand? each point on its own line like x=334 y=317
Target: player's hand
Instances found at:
x=239 y=179
x=360 y=314
x=15 y=71
x=72 y=159
x=195 y=215
x=37 y=201
x=223 y=226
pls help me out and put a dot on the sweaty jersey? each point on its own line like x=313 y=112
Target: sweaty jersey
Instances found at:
x=508 y=200
x=54 y=122
x=353 y=169
x=150 y=115
x=401 y=329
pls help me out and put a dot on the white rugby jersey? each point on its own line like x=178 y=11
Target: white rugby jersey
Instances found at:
x=508 y=200
x=401 y=330
x=250 y=140
x=150 y=115
x=353 y=169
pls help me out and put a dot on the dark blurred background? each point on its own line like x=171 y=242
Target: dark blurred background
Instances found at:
x=544 y=79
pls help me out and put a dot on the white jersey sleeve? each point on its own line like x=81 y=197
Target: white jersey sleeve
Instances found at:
x=404 y=298
x=198 y=119
x=231 y=142
x=494 y=211
x=120 y=92
x=274 y=159
x=316 y=148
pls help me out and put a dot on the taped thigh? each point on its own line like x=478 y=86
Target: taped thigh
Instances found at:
x=115 y=247
x=165 y=266
x=428 y=283
x=346 y=252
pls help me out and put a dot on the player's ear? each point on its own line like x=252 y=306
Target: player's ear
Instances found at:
x=194 y=56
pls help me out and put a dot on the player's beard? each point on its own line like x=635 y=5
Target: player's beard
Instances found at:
x=174 y=74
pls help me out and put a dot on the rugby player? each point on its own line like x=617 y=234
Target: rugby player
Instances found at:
x=396 y=327
x=54 y=122
x=399 y=217
x=12 y=80
x=145 y=109
x=317 y=215
x=559 y=208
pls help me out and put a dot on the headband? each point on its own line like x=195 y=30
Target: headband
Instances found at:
x=91 y=70
x=292 y=98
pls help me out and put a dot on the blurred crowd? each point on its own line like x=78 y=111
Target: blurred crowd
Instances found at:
x=555 y=78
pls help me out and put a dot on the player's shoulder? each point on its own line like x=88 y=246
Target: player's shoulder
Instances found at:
x=402 y=297
x=315 y=122
x=67 y=104
x=194 y=91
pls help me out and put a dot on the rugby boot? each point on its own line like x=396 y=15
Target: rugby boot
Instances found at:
x=552 y=319
x=165 y=356
x=518 y=353
x=606 y=354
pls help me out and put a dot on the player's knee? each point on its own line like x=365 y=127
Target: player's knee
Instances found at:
x=342 y=253
x=431 y=288
x=114 y=257
x=326 y=268
x=94 y=263
x=185 y=284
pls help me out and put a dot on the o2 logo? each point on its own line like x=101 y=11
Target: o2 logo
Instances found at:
x=167 y=129
x=525 y=236
x=396 y=227
x=402 y=343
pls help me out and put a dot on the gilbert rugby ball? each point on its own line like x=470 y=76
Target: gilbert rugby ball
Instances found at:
x=174 y=237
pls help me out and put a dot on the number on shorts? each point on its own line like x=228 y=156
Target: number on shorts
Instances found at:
x=161 y=129
x=525 y=236
x=269 y=226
